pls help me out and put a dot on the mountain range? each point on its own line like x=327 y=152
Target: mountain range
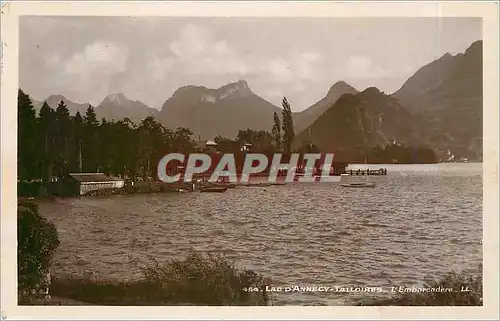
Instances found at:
x=440 y=105
x=446 y=97
x=360 y=120
x=223 y=111
x=114 y=106
x=207 y=112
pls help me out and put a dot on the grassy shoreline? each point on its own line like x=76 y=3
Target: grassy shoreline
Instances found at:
x=209 y=280
x=213 y=281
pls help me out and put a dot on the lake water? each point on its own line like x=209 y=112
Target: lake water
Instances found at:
x=419 y=220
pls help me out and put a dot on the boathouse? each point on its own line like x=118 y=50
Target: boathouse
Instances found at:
x=82 y=183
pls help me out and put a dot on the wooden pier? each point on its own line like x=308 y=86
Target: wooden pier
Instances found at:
x=369 y=172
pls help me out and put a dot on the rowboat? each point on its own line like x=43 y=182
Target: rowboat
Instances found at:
x=258 y=184
x=358 y=185
x=228 y=185
x=214 y=189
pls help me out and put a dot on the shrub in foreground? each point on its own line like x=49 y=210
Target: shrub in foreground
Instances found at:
x=37 y=240
x=196 y=280
x=453 y=280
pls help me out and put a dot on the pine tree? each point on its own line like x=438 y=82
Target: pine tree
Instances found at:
x=62 y=128
x=46 y=134
x=90 y=118
x=91 y=138
x=27 y=151
x=77 y=143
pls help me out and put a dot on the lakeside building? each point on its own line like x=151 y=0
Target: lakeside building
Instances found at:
x=206 y=146
x=82 y=183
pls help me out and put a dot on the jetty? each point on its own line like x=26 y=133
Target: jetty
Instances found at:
x=368 y=172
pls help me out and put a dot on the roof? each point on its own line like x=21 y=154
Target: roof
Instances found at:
x=211 y=143
x=204 y=143
x=93 y=177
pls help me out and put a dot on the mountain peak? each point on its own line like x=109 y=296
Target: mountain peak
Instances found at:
x=239 y=88
x=372 y=91
x=446 y=56
x=56 y=98
x=341 y=83
x=117 y=98
x=341 y=87
x=475 y=47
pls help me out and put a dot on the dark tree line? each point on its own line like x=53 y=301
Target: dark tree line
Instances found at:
x=401 y=154
x=53 y=143
x=263 y=141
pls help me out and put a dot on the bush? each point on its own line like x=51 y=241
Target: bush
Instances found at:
x=211 y=280
x=453 y=280
x=37 y=240
x=196 y=280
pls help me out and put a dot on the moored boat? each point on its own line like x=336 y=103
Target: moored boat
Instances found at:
x=228 y=185
x=359 y=185
x=214 y=189
x=258 y=184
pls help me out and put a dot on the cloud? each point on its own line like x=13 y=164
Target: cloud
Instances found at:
x=280 y=70
x=296 y=68
x=306 y=65
x=159 y=67
x=274 y=93
x=99 y=56
x=221 y=47
x=196 y=52
x=362 y=67
x=192 y=41
x=217 y=65
x=148 y=58
x=94 y=69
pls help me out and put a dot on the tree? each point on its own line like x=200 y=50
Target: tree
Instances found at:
x=45 y=123
x=151 y=144
x=77 y=143
x=260 y=140
x=246 y=136
x=227 y=145
x=62 y=138
x=90 y=118
x=27 y=152
x=288 y=132
x=182 y=140
x=308 y=147
x=91 y=141
x=37 y=241
x=277 y=131
x=264 y=142
x=124 y=147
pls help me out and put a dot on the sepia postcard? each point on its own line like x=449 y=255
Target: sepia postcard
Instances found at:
x=249 y=160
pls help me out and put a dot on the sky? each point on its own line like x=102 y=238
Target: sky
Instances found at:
x=148 y=58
